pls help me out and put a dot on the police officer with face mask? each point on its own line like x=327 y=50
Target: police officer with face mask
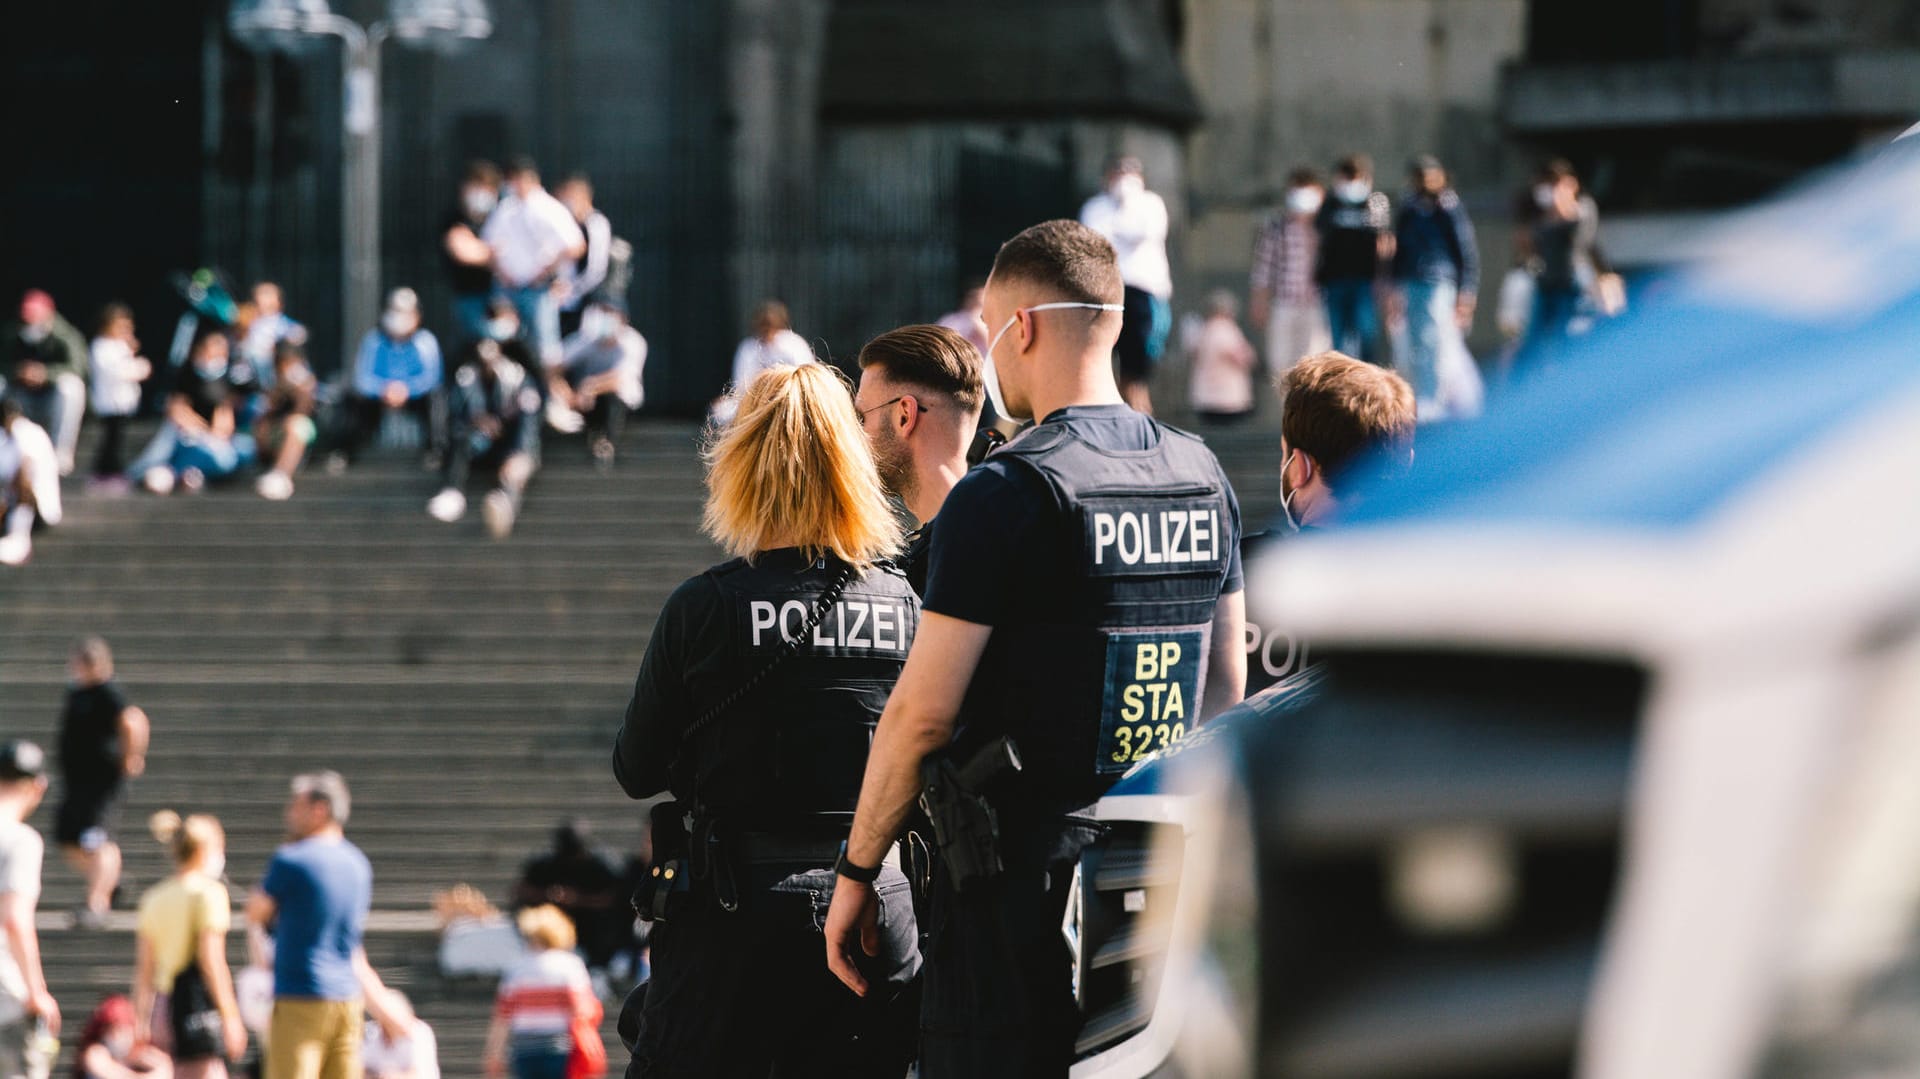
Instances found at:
x=1084 y=604
x=754 y=708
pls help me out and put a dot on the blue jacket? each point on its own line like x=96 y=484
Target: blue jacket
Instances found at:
x=1435 y=242
x=414 y=362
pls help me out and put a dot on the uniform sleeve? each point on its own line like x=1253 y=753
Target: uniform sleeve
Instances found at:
x=661 y=706
x=984 y=540
x=1235 y=578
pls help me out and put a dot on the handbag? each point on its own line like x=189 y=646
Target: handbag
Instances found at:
x=197 y=1027
x=588 y=1057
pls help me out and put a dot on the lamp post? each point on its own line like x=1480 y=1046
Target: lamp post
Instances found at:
x=290 y=26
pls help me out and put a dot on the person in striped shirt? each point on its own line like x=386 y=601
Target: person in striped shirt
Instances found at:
x=539 y=1000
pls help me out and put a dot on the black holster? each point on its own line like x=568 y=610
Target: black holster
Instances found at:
x=966 y=827
x=667 y=884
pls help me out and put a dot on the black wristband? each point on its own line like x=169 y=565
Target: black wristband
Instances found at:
x=856 y=873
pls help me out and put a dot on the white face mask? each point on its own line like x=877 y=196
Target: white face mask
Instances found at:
x=479 y=201
x=396 y=324
x=36 y=332
x=1125 y=186
x=596 y=324
x=502 y=329
x=1303 y=200
x=1354 y=190
x=1543 y=196
x=119 y=1046
x=991 y=376
x=215 y=865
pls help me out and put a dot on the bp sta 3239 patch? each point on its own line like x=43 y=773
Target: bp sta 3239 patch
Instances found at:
x=1152 y=694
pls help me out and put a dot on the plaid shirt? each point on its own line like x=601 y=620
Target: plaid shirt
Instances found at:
x=1284 y=257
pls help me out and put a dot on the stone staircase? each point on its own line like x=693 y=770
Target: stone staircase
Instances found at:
x=469 y=690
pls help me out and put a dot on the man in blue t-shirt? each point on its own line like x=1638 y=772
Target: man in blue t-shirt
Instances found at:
x=314 y=899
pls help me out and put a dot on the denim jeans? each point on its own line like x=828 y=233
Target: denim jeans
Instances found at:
x=1430 y=328
x=540 y=1056
x=469 y=324
x=539 y=321
x=1351 y=318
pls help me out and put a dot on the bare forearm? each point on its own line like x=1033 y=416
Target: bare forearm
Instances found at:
x=892 y=783
x=24 y=943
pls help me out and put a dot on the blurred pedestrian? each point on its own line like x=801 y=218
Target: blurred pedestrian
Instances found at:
x=759 y=727
x=1436 y=267
x=29 y=483
x=469 y=259
x=543 y=1002
x=183 y=994
x=200 y=442
x=1221 y=369
x=577 y=879
x=314 y=898
x=103 y=744
x=43 y=365
x=1561 y=246
x=919 y=402
x=26 y=1007
x=268 y=328
x=581 y=279
x=495 y=429
x=1135 y=221
x=397 y=369
x=1339 y=414
x=1284 y=300
x=110 y=1047
x=117 y=369
x=285 y=428
x=1356 y=244
x=772 y=343
x=600 y=378
x=533 y=239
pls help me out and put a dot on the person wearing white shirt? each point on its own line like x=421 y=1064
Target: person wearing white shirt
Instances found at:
x=533 y=237
x=29 y=482
x=599 y=378
x=115 y=371
x=772 y=344
x=1134 y=220
x=583 y=277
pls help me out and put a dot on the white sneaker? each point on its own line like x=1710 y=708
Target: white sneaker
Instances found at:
x=563 y=419
x=498 y=511
x=448 y=506
x=158 y=480
x=14 y=548
x=193 y=480
x=274 y=486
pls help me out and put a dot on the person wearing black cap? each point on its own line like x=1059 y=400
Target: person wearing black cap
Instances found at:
x=1436 y=266
x=598 y=380
x=24 y=999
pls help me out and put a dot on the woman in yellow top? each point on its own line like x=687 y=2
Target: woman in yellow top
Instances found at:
x=183 y=921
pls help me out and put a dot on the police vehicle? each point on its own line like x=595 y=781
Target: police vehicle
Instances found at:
x=1606 y=765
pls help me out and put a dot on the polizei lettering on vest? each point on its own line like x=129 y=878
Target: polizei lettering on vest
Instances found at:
x=853 y=623
x=1160 y=537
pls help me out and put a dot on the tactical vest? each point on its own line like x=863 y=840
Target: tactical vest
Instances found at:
x=1117 y=669
x=797 y=742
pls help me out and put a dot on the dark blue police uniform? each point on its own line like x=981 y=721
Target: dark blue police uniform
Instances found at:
x=740 y=984
x=1095 y=545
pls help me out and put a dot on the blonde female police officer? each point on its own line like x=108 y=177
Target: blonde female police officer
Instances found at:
x=754 y=707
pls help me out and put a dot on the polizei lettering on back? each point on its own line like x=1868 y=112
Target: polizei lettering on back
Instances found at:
x=853 y=625
x=1150 y=536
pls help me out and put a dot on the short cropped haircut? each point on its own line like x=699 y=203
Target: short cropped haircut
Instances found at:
x=547 y=928
x=1062 y=257
x=522 y=165
x=794 y=465
x=1338 y=409
x=1305 y=177
x=1355 y=167
x=112 y=313
x=95 y=652
x=932 y=358
x=325 y=786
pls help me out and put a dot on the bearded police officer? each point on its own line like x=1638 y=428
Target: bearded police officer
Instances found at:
x=1084 y=604
x=754 y=707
